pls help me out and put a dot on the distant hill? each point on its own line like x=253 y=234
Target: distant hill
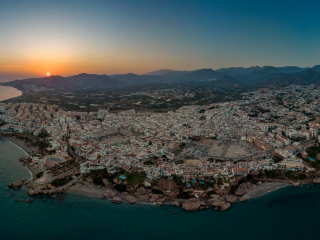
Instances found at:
x=235 y=71
x=291 y=69
x=203 y=75
x=316 y=68
x=133 y=79
x=160 y=72
x=250 y=78
x=302 y=78
x=229 y=81
x=175 y=74
x=84 y=80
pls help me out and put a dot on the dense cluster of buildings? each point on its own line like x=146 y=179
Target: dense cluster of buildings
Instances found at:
x=276 y=121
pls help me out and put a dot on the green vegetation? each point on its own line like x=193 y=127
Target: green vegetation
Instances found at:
x=61 y=181
x=277 y=158
x=97 y=180
x=149 y=162
x=41 y=144
x=271 y=173
x=225 y=180
x=120 y=187
x=132 y=179
x=39 y=175
x=43 y=134
x=179 y=162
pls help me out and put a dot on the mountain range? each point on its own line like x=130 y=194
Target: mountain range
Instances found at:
x=252 y=77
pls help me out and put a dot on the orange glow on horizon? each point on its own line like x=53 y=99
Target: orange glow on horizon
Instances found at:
x=48 y=74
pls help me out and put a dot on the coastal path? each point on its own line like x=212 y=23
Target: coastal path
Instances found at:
x=60 y=188
x=63 y=174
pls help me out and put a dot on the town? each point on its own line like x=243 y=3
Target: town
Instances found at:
x=197 y=149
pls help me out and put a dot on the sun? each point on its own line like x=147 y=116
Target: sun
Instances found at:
x=48 y=74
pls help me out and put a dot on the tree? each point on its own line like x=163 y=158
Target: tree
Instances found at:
x=39 y=175
x=97 y=180
x=277 y=159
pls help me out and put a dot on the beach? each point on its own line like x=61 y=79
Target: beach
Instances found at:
x=264 y=188
x=95 y=191
x=19 y=143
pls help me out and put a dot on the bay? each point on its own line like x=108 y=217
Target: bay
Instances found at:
x=9 y=92
x=288 y=213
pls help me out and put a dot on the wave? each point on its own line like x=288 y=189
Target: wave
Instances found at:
x=29 y=172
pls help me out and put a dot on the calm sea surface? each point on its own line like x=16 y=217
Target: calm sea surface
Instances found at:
x=9 y=92
x=287 y=213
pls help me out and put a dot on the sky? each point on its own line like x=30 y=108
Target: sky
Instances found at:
x=135 y=36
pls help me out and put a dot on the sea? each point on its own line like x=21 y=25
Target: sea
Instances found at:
x=9 y=92
x=287 y=213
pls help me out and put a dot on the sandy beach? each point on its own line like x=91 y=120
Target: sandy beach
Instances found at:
x=21 y=144
x=88 y=190
x=264 y=188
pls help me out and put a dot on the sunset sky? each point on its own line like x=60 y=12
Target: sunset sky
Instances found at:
x=112 y=37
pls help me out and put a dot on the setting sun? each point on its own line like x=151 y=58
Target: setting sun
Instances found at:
x=48 y=74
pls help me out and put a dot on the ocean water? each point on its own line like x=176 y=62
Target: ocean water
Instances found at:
x=287 y=213
x=9 y=92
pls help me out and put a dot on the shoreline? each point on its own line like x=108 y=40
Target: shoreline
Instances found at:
x=261 y=190
x=97 y=192
x=265 y=188
x=18 y=143
x=22 y=146
x=8 y=86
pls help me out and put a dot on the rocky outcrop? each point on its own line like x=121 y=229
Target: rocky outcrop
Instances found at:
x=32 y=192
x=54 y=196
x=161 y=199
x=245 y=198
x=130 y=199
x=214 y=198
x=130 y=188
x=16 y=185
x=218 y=203
x=112 y=191
x=144 y=198
x=155 y=196
x=244 y=188
x=237 y=180
x=225 y=207
x=191 y=205
x=316 y=180
x=203 y=206
x=175 y=203
x=230 y=198
x=106 y=182
x=140 y=191
x=295 y=184
x=116 y=200
x=159 y=203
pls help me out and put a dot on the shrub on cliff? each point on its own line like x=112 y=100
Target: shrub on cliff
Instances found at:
x=39 y=175
x=97 y=180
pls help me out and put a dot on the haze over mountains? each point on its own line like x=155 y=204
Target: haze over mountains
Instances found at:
x=252 y=77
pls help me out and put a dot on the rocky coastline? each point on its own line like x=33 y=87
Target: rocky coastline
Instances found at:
x=221 y=201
